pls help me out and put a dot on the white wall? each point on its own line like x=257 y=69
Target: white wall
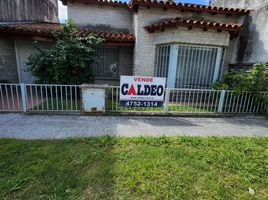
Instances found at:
x=145 y=42
x=100 y=17
x=249 y=4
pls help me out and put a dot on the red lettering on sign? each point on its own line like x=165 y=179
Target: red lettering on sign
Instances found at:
x=142 y=79
x=131 y=91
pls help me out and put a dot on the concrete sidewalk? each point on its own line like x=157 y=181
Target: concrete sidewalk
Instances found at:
x=64 y=126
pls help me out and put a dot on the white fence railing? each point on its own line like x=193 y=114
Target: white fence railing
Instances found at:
x=66 y=98
x=10 y=97
x=52 y=97
x=197 y=101
x=39 y=97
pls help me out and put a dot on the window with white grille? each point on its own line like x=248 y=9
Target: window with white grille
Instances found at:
x=188 y=66
x=107 y=63
x=162 y=60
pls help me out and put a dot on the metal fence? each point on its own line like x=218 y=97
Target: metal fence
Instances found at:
x=66 y=98
x=197 y=101
x=10 y=97
x=39 y=97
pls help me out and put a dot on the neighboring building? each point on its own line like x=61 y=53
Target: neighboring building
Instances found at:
x=16 y=47
x=253 y=40
x=189 y=44
x=29 y=10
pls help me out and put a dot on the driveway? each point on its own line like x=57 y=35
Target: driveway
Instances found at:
x=64 y=126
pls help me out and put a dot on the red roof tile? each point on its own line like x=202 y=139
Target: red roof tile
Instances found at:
x=134 y=4
x=187 y=7
x=161 y=26
x=98 y=2
x=46 y=29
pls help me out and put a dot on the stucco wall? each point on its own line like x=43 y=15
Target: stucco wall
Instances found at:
x=145 y=42
x=101 y=17
x=239 y=3
x=28 y=10
x=253 y=41
x=8 y=66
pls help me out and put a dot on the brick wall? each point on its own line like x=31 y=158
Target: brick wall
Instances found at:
x=145 y=42
x=101 y=17
x=116 y=18
x=8 y=66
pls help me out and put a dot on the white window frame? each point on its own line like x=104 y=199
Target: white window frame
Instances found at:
x=172 y=66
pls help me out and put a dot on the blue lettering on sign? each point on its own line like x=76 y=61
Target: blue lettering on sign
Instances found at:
x=141 y=103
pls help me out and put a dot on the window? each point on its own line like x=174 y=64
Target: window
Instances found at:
x=188 y=66
x=107 y=63
x=162 y=60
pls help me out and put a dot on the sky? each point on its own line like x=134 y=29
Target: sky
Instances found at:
x=63 y=9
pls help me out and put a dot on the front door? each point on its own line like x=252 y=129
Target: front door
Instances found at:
x=24 y=49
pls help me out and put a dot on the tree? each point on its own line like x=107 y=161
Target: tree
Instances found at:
x=69 y=59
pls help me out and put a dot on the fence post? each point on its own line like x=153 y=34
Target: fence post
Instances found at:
x=23 y=97
x=166 y=100
x=221 y=102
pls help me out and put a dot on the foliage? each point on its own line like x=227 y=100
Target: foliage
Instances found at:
x=69 y=59
x=134 y=168
x=254 y=80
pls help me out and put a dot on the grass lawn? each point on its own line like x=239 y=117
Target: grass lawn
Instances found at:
x=58 y=104
x=172 y=107
x=134 y=168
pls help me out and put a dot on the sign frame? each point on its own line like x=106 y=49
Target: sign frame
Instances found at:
x=142 y=91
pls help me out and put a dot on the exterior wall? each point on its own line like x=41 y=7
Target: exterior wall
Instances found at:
x=28 y=10
x=253 y=42
x=25 y=48
x=126 y=60
x=8 y=66
x=101 y=17
x=228 y=55
x=239 y=3
x=145 y=42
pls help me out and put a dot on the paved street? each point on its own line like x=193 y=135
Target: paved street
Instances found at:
x=64 y=126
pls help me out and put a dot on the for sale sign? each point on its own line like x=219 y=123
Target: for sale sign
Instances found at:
x=140 y=91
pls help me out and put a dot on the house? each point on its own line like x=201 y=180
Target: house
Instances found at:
x=191 y=45
x=15 y=45
x=253 y=40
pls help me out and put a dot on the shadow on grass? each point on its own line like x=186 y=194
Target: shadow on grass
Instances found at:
x=68 y=169
x=134 y=168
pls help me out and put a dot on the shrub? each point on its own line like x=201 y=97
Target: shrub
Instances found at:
x=254 y=80
x=69 y=59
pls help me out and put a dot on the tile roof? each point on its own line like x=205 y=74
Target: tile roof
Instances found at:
x=98 y=2
x=41 y=29
x=187 y=7
x=161 y=26
x=45 y=30
x=134 y=4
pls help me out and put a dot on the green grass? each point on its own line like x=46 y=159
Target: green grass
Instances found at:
x=58 y=104
x=134 y=168
x=172 y=107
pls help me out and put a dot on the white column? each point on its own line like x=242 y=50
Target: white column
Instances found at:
x=172 y=66
x=221 y=102
x=218 y=64
x=23 y=97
